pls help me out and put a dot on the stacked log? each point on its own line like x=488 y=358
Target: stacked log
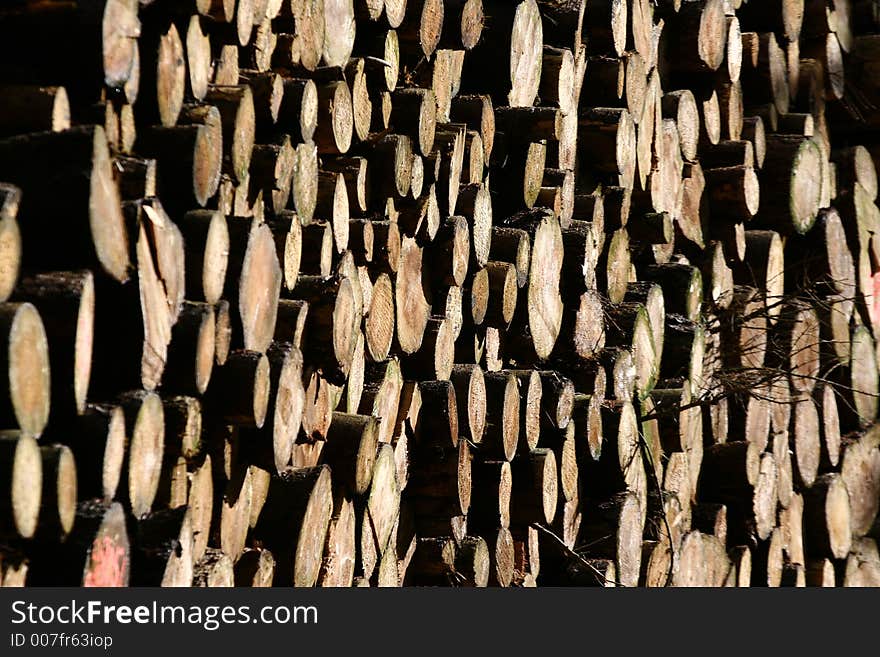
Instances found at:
x=383 y=293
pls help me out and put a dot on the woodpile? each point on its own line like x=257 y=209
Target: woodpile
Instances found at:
x=462 y=293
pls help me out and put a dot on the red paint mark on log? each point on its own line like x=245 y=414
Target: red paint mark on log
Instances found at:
x=108 y=564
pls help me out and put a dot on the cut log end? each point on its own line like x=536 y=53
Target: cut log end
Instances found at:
x=105 y=212
x=28 y=366
x=22 y=467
